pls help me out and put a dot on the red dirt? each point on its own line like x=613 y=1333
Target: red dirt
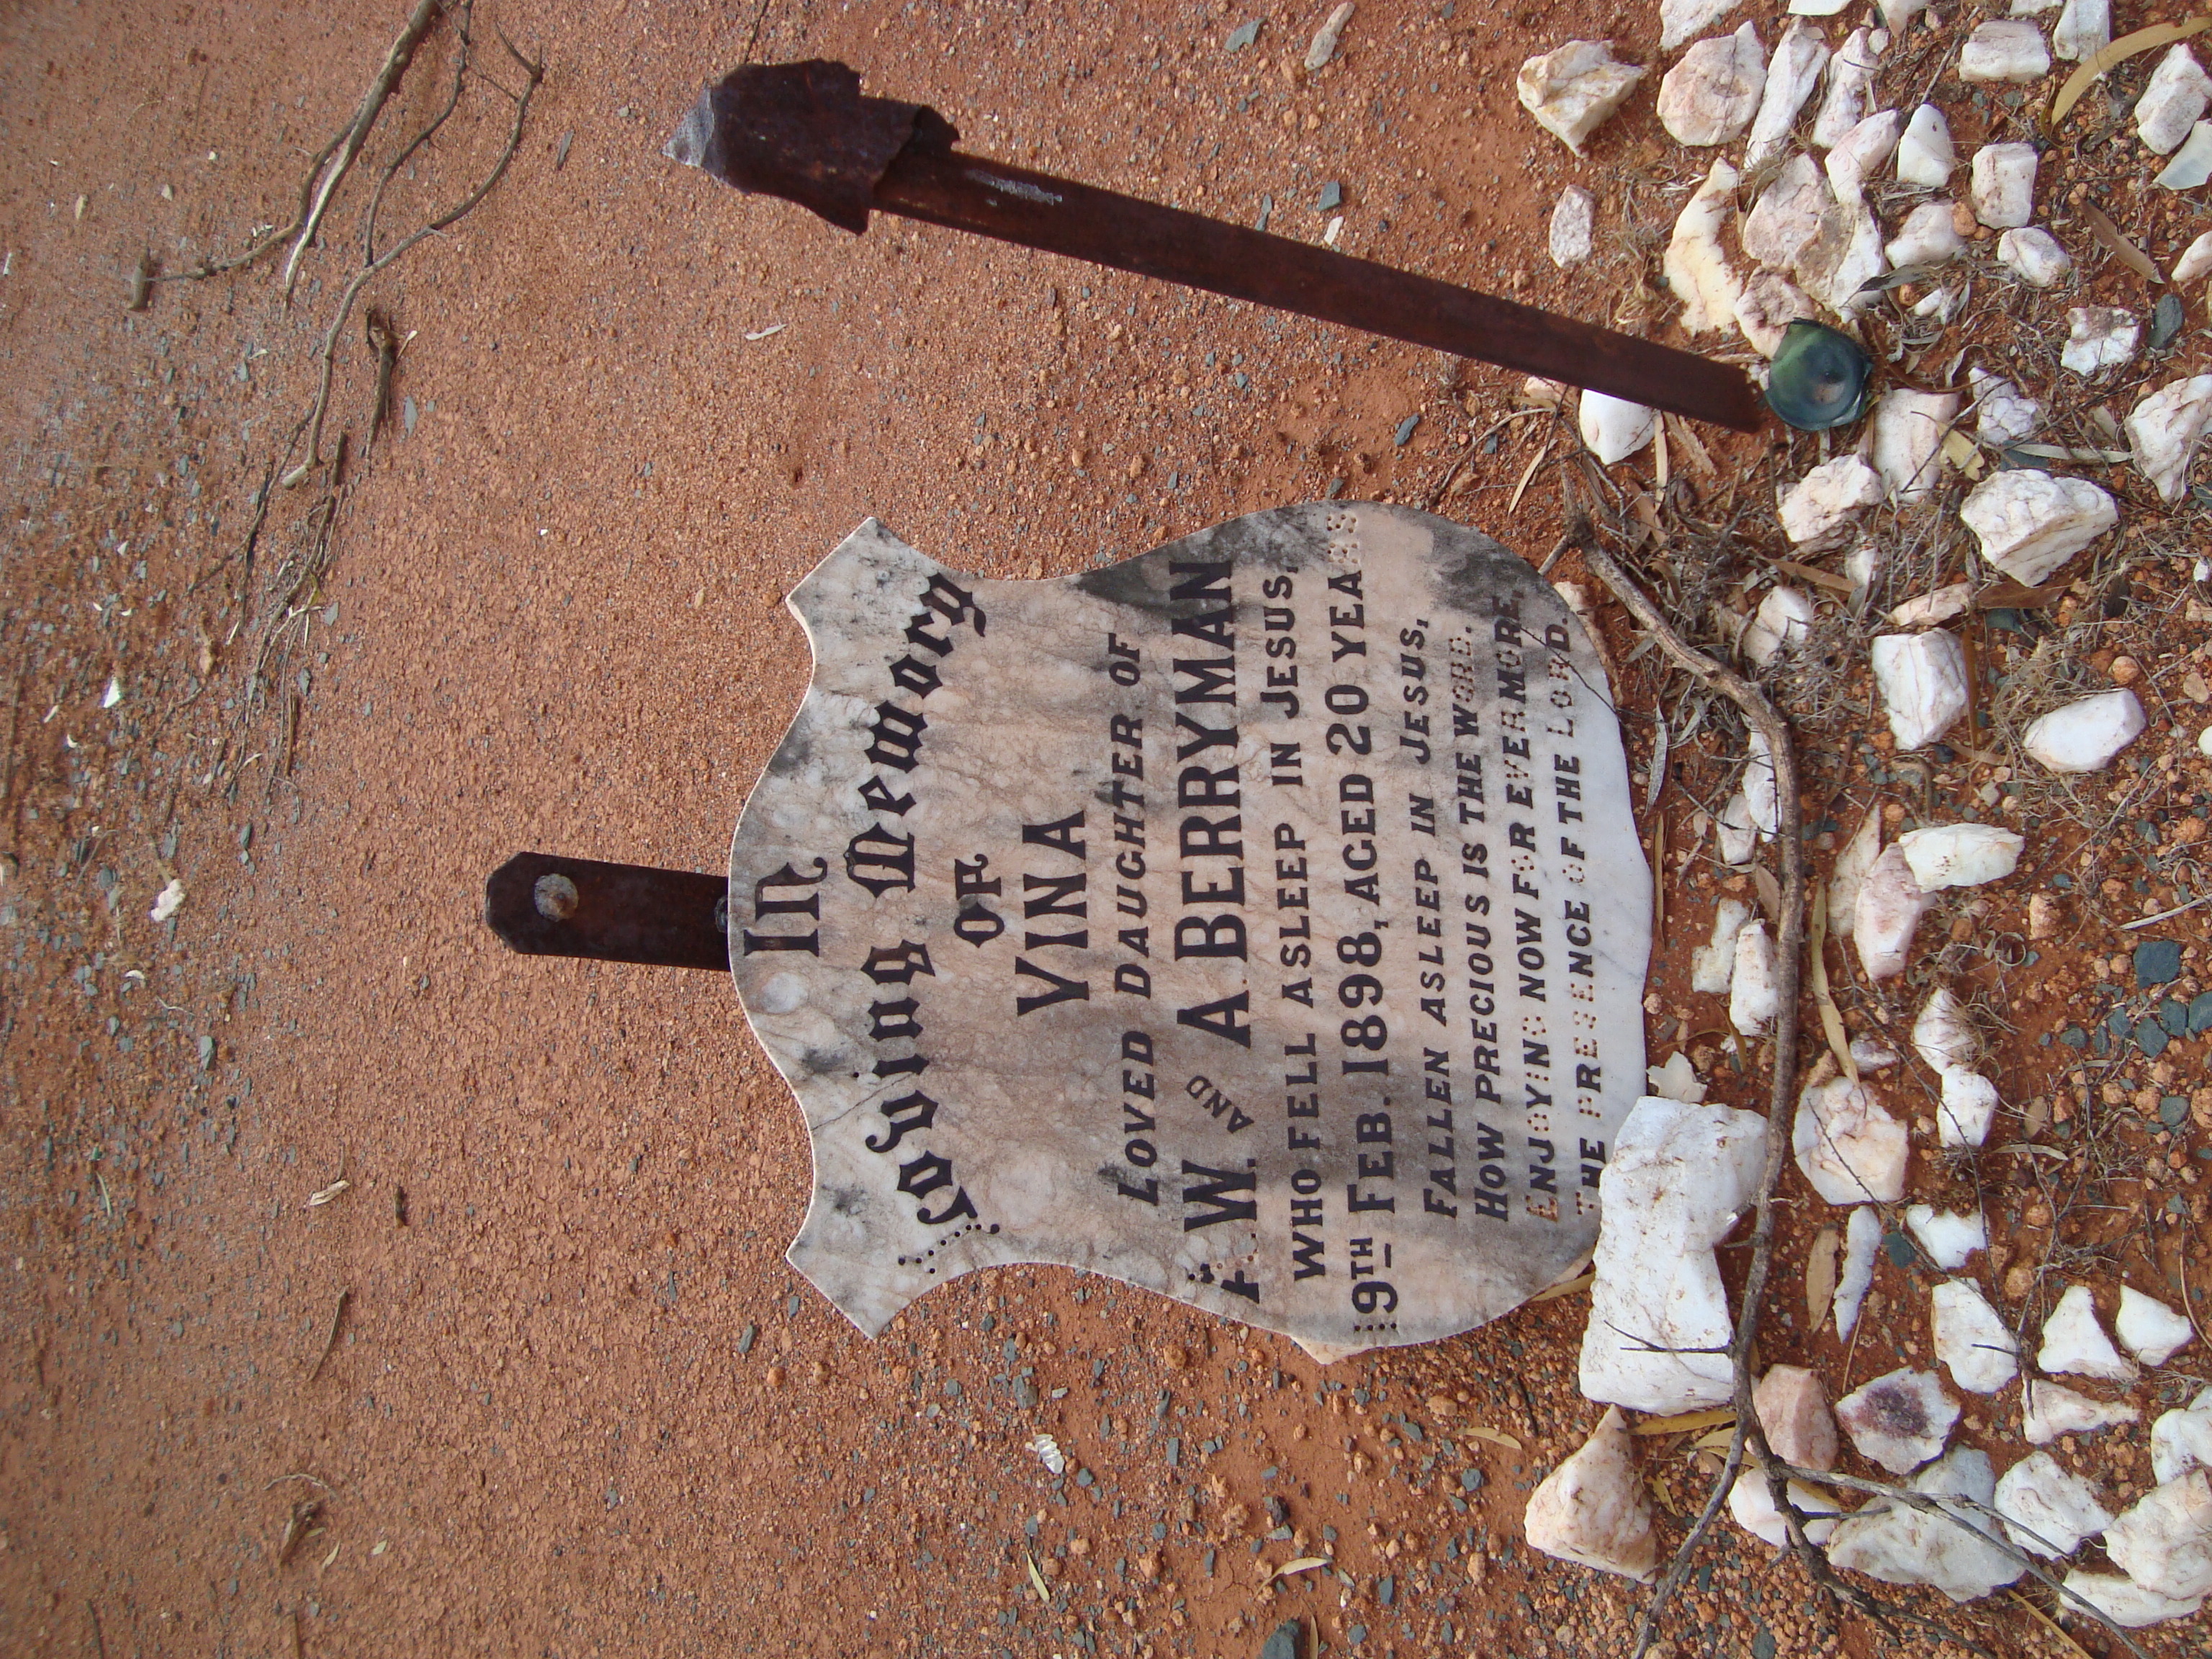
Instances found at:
x=553 y=619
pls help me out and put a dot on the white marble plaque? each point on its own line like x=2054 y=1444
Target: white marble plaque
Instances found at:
x=1259 y=920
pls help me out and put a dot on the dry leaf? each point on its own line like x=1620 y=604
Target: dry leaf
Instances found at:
x=1814 y=575
x=1959 y=449
x=1692 y=445
x=2147 y=39
x=1831 y=1017
x=1037 y=1578
x=2102 y=228
x=1494 y=1436
x=1304 y=1563
x=317 y=1200
x=1685 y=1422
x=1718 y=1441
x=1520 y=489
x=1770 y=893
x=1821 y=1277
x=1581 y=1281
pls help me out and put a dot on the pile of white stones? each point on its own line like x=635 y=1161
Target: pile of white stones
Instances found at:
x=1681 y=1174
x=1683 y=1170
x=1811 y=245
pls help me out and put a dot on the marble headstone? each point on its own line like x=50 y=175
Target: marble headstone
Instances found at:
x=1260 y=921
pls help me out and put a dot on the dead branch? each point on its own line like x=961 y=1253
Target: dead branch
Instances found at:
x=1949 y=1507
x=534 y=75
x=1767 y=721
x=328 y=167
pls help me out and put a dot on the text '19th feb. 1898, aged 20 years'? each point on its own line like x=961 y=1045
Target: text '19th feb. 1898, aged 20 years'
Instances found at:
x=1260 y=920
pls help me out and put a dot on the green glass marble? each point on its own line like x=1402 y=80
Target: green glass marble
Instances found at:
x=1819 y=379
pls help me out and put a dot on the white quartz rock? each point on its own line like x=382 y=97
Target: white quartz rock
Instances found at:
x=1861 y=1238
x=1952 y=599
x=2181 y=1440
x=2034 y=256
x=1696 y=265
x=1900 y=1420
x=2195 y=259
x=1816 y=8
x=1968 y=1107
x=1922 y=680
x=1838 y=278
x=2172 y=101
x=1792 y=1407
x=1572 y=89
x=1794 y=72
x=1888 y=915
x=1909 y=427
x=2192 y=163
x=1593 y=1510
x=1759 y=790
x=2164 y=430
x=2086 y=734
x=1925 y=153
x=1770 y=302
x=2127 y=1603
x=1794 y=216
x=2100 y=338
x=1712 y=965
x=2084 y=27
x=1816 y=511
x=1926 y=238
x=1949 y=1238
x=1572 y=221
x=1850 y=74
x=2049 y=1410
x=2001 y=416
x=1676 y=1080
x=1782 y=623
x=1751 y=1501
x=1971 y=1339
x=2148 y=1329
x=2048 y=1511
x=2002 y=193
x=1686 y=20
x=1896 y=14
x=1901 y=1545
x=2074 y=1343
x=2003 y=49
x=2030 y=523
x=1678 y=1178
x=2164 y=1540
x=1613 y=428
x=1736 y=831
x=1961 y=854
x=1859 y=154
x=1848 y=1145
x=1850 y=873
x=1753 y=997
x=1942 y=1034
x=1710 y=95
x=2034 y=7
x=1872 y=1053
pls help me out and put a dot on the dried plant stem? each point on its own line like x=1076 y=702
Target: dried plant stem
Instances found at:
x=1767 y=721
x=328 y=167
x=1949 y=1507
x=534 y=75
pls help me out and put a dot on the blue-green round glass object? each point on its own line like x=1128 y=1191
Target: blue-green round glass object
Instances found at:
x=1819 y=379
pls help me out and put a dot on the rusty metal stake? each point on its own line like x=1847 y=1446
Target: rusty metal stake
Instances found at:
x=543 y=905
x=803 y=132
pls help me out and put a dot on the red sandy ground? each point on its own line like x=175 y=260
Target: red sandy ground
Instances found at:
x=553 y=620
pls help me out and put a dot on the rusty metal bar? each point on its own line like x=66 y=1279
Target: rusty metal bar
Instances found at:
x=543 y=905
x=803 y=131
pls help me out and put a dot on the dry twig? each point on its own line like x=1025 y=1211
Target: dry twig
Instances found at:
x=1767 y=721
